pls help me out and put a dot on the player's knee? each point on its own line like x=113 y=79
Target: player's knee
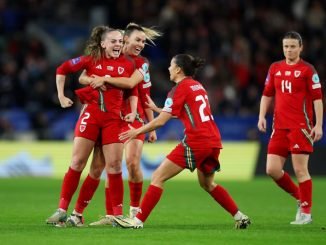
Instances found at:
x=114 y=166
x=78 y=163
x=301 y=173
x=132 y=165
x=157 y=179
x=269 y=171
x=96 y=173
x=207 y=186
x=272 y=172
x=275 y=174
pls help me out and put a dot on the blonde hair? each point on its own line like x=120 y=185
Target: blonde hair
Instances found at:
x=151 y=33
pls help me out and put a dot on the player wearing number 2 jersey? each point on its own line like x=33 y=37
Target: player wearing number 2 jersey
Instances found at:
x=199 y=149
x=295 y=86
x=135 y=38
x=100 y=118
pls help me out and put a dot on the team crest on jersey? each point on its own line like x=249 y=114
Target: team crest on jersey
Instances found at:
x=297 y=73
x=315 y=78
x=120 y=70
x=82 y=128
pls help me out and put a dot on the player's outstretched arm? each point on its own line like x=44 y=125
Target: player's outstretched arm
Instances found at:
x=151 y=105
x=156 y=123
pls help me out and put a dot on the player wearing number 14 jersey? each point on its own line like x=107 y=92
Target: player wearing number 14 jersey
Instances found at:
x=296 y=87
x=199 y=149
x=294 y=84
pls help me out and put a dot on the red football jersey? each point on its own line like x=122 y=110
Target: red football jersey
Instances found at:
x=294 y=87
x=110 y=100
x=143 y=88
x=188 y=101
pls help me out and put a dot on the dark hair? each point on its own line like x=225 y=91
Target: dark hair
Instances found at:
x=93 y=46
x=188 y=63
x=293 y=35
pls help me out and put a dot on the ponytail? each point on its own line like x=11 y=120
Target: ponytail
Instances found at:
x=93 y=46
x=188 y=63
x=150 y=33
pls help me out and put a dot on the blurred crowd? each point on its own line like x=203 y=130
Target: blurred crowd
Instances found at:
x=239 y=40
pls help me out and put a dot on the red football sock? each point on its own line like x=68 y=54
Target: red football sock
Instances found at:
x=287 y=184
x=306 y=196
x=69 y=186
x=116 y=192
x=224 y=199
x=135 y=193
x=108 y=203
x=151 y=198
x=86 y=193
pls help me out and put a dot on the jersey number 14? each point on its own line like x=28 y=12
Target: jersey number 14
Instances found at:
x=286 y=86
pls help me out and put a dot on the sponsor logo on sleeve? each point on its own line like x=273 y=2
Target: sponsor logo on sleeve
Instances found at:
x=167 y=105
x=315 y=78
x=267 y=79
x=75 y=60
x=147 y=77
x=147 y=85
x=315 y=86
x=145 y=67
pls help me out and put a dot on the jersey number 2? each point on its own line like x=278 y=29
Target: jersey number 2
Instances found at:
x=83 y=121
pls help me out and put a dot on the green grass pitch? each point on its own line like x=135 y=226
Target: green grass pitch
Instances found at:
x=185 y=215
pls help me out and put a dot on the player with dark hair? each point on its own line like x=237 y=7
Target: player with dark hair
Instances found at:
x=200 y=147
x=295 y=87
